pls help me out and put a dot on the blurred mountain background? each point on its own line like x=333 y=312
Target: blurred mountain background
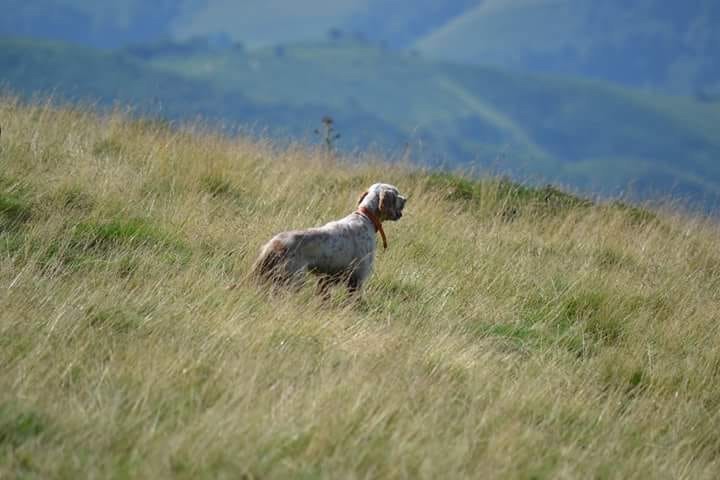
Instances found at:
x=605 y=97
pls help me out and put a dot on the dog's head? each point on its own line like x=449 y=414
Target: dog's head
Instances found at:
x=385 y=199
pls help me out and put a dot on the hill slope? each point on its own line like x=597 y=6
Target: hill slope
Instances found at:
x=251 y=22
x=670 y=46
x=506 y=332
x=89 y=23
x=663 y=45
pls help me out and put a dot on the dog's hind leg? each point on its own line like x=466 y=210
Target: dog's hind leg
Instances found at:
x=326 y=282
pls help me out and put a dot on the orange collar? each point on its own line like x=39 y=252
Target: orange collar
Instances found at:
x=375 y=221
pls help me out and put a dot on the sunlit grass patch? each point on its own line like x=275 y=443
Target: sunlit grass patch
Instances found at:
x=109 y=147
x=100 y=235
x=118 y=319
x=218 y=186
x=73 y=198
x=636 y=215
x=515 y=335
x=581 y=320
x=608 y=257
x=589 y=320
x=308 y=343
x=11 y=243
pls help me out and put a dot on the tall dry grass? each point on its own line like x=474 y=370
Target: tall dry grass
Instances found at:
x=506 y=332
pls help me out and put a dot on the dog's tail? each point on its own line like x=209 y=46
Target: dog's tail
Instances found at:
x=269 y=265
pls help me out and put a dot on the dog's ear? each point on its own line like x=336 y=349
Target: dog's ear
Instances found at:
x=387 y=200
x=362 y=197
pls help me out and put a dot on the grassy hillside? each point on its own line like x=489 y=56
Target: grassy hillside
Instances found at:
x=506 y=332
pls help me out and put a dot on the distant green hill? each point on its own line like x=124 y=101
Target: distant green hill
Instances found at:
x=80 y=74
x=672 y=46
x=397 y=23
x=586 y=134
x=87 y=22
x=656 y=44
x=251 y=22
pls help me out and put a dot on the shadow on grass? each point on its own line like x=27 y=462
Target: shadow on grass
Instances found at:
x=19 y=425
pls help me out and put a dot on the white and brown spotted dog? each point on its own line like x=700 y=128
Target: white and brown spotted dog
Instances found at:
x=339 y=252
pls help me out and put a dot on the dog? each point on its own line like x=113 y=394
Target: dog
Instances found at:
x=339 y=252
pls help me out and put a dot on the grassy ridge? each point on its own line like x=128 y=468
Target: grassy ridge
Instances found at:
x=507 y=331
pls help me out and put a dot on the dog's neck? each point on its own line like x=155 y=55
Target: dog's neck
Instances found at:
x=366 y=212
x=371 y=201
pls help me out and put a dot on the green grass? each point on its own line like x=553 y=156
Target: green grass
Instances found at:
x=13 y=210
x=15 y=204
x=516 y=199
x=18 y=427
x=92 y=241
x=568 y=338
